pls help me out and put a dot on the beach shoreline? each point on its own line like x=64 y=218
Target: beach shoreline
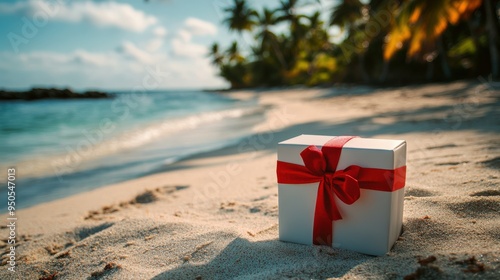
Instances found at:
x=67 y=147
x=214 y=215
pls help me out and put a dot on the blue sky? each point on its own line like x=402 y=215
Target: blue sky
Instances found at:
x=110 y=44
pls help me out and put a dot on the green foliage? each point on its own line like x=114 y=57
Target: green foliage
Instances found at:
x=464 y=47
x=240 y=16
x=377 y=35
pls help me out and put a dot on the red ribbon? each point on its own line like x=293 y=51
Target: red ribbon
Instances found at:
x=321 y=166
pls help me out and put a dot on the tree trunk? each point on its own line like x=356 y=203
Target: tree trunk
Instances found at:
x=429 y=75
x=475 y=40
x=362 y=69
x=444 y=62
x=279 y=55
x=491 y=25
x=385 y=70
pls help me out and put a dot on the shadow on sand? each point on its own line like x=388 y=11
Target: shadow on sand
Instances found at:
x=260 y=260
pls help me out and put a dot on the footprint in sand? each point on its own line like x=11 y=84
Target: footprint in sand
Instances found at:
x=78 y=235
x=262 y=208
x=442 y=147
x=482 y=207
x=493 y=163
x=57 y=247
x=255 y=210
x=227 y=207
x=417 y=192
x=451 y=163
x=428 y=229
x=85 y=232
x=146 y=197
x=487 y=193
x=108 y=269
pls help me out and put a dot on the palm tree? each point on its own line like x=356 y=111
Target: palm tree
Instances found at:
x=287 y=9
x=217 y=56
x=380 y=13
x=346 y=14
x=265 y=21
x=318 y=39
x=269 y=40
x=234 y=54
x=493 y=38
x=240 y=16
x=322 y=65
x=421 y=23
x=349 y=16
x=234 y=69
x=287 y=12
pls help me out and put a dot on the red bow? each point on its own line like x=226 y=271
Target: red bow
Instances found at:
x=320 y=166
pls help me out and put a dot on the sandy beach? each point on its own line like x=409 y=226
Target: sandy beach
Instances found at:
x=215 y=216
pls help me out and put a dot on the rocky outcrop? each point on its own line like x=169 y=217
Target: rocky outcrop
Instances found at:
x=50 y=93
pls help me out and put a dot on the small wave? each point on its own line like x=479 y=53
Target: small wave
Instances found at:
x=167 y=127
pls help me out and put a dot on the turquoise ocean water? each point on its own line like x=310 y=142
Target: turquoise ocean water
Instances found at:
x=63 y=147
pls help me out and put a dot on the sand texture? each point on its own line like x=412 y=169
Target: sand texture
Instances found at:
x=215 y=216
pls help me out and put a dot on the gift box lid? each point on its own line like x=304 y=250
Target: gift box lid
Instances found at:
x=320 y=140
x=365 y=152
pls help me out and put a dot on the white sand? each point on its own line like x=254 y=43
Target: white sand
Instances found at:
x=215 y=216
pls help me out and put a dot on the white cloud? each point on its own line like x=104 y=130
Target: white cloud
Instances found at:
x=130 y=50
x=184 y=48
x=104 y=14
x=154 y=44
x=200 y=27
x=76 y=69
x=182 y=45
x=199 y=72
x=78 y=57
x=94 y=59
x=157 y=41
x=81 y=69
x=188 y=66
x=184 y=35
x=160 y=31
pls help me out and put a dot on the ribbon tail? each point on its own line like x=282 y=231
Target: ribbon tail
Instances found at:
x=323 y=226
x=346 y=184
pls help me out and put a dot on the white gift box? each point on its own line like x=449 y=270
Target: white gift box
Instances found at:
x=371 y=224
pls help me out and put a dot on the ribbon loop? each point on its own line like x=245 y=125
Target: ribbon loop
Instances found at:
x=346 y=185
x=314 y=160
